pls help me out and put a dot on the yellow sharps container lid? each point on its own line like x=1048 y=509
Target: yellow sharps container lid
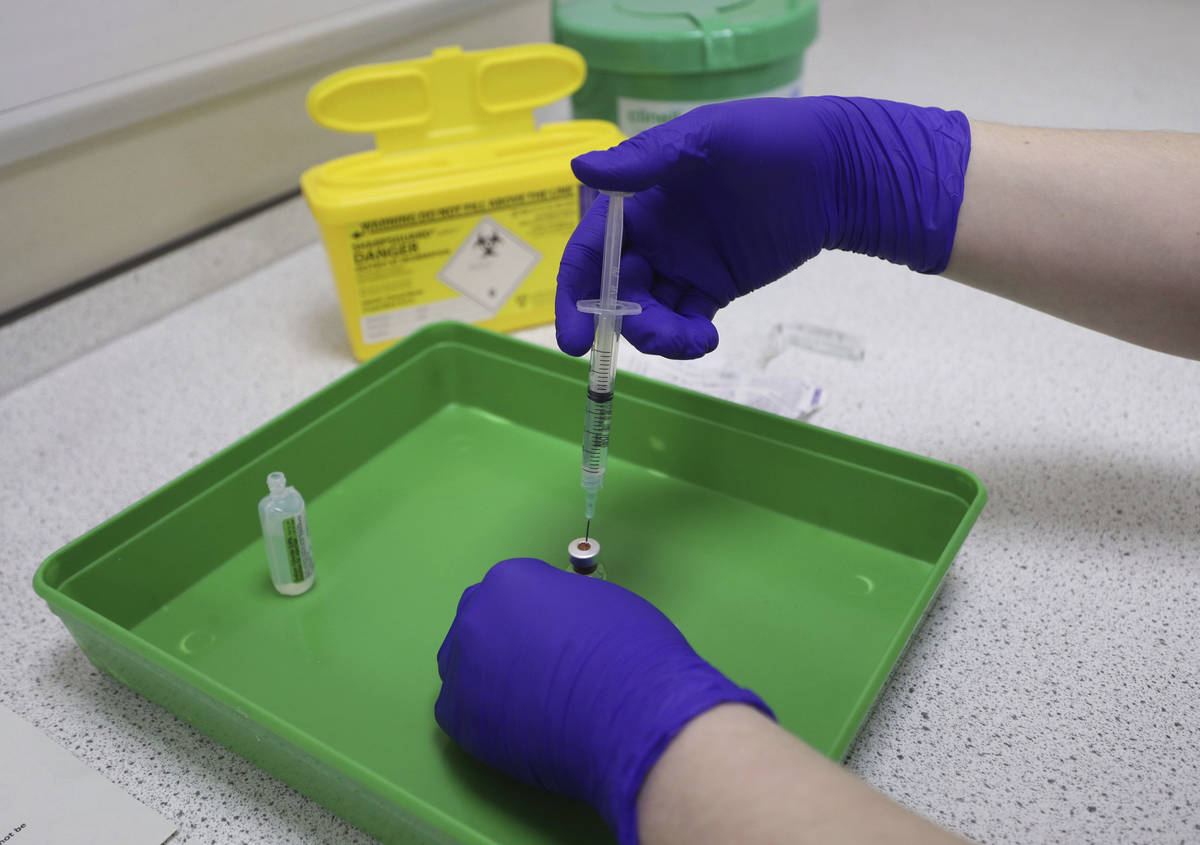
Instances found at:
x=444 y=114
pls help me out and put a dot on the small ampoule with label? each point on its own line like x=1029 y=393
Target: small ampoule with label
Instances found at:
x=285 y=531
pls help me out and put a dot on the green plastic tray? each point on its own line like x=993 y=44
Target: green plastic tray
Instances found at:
x=797 y=560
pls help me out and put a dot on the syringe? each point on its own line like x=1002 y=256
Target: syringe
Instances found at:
x=608 y=310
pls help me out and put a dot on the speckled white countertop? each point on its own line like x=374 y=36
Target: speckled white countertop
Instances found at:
x=1054 y=693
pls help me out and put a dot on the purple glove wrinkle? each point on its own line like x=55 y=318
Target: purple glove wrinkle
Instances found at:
x=731 y=197
x=571 y=684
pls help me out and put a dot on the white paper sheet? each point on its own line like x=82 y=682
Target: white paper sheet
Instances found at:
x=48 y=797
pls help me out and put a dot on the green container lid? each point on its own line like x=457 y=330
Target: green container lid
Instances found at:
x=684 y=36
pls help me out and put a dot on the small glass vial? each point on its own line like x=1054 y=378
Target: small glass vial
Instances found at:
x=285 y=531
x=583 y=553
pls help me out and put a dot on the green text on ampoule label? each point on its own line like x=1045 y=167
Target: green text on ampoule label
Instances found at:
x=293 y=531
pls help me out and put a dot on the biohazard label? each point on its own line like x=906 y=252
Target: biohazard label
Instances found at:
x=462 y=261
x=489 y=264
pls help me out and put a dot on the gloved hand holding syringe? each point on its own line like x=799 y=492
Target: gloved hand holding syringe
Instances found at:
x=608 y=311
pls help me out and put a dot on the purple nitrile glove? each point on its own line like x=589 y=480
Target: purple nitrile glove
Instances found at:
x=735 y=195
x=572 y=684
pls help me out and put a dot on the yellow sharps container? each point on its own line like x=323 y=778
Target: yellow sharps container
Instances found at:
x=462 y=210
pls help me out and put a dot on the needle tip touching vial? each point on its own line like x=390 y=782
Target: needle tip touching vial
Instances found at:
x=285 y=532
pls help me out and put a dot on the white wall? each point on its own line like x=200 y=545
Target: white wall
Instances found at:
x=127 y=123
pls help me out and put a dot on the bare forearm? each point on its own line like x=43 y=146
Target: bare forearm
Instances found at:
x=1099 y=228
x=733 y=775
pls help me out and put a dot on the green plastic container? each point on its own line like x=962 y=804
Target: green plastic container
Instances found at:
x=652 y=60
x=797 y=560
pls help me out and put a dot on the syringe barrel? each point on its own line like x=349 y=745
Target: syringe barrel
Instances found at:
x=603 y=367
x=596 y=424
